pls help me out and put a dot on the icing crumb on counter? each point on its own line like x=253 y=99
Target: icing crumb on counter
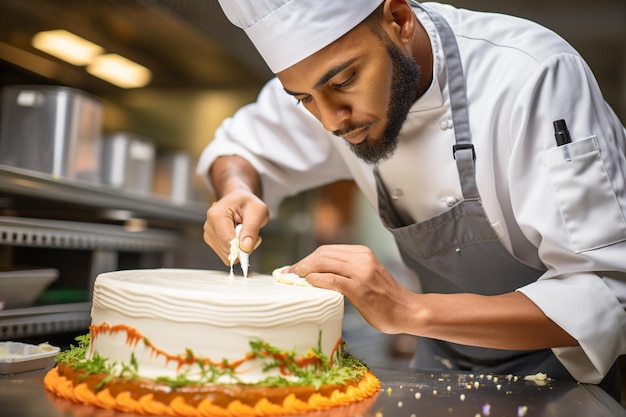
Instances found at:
x=539 y=378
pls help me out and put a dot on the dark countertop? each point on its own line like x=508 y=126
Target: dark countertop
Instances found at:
x=404 y=394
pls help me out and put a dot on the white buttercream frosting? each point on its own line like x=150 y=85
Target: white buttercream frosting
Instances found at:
x=212 y=315
x=289 y=278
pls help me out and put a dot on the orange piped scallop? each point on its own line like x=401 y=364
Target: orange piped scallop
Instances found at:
x=148 y=405
x=105 y=399
x=67 y=388
x=50 y=380
x=181 y=408
x=293 y=405
x=126 y=403
x=239 y=409
x=208 y=409
x=267 y=408
x=318 y=401
x=84 y=395
x=340 y=398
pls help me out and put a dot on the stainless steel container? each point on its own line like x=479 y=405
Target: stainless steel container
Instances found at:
x=51 y=129
x=128 y=162
x=173 y=176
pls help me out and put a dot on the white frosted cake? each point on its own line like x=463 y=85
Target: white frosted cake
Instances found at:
x=213 y=315
x=214 y=342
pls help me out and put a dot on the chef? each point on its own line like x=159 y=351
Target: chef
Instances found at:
x=445 y=119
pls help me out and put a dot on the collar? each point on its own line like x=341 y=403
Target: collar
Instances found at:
x=433 y=97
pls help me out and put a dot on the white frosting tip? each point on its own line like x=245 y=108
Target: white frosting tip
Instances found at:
x=238 y=254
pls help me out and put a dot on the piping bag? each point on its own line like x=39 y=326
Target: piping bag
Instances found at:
x=237 y=253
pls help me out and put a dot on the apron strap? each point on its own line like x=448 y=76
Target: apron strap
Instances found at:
x=463 y=150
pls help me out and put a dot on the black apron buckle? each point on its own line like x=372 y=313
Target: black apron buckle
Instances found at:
x=459 y=146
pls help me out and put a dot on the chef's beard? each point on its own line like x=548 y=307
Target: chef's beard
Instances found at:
x=405 y=80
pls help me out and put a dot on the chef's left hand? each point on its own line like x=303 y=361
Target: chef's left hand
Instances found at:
x=355 y=271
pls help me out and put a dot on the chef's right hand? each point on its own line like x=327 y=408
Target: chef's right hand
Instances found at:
x=237 y=207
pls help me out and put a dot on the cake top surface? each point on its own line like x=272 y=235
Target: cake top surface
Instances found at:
x=212 y=297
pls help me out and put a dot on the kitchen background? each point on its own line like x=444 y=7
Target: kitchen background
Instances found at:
x=58 y=230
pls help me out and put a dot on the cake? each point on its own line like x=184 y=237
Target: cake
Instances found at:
x=203 y=343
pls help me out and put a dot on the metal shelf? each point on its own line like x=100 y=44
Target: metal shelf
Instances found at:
x=40 y=185
x=42 y=320
x=104 y=241
x=75 y=235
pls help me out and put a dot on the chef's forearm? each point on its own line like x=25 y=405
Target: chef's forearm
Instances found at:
x=508 y=321
x=229 y=173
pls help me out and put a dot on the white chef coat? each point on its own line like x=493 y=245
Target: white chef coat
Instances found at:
x=556 y=208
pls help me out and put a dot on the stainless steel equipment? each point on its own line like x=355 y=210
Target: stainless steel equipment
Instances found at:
x=173 y=176
x=51 y=129
x=128 y=162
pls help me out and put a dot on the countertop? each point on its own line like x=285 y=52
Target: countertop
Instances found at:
x=404 y=393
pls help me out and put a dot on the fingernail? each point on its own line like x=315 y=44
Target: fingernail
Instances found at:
x=246 y=244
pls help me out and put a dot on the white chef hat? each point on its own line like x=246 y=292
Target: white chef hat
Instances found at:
x=287 y=31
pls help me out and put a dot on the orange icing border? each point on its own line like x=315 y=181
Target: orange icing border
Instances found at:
x=368 y=386
x=133 y=337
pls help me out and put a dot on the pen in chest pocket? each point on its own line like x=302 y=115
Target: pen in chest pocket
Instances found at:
x=561 y=133
x=562 y=136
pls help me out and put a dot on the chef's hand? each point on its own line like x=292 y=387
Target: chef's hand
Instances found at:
x=355 y=271
x=237 y=207
x=238 y=190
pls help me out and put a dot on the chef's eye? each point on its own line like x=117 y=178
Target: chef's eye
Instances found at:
x=345 y=83
x=303 y=100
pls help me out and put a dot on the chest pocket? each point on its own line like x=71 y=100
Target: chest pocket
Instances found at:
x=587 y=201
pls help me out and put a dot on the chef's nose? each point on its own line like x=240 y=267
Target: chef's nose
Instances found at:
x=333 y=114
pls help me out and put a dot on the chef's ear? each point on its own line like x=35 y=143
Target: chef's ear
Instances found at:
x=398 y=15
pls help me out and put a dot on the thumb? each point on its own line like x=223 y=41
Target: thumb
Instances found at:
x=247 y=245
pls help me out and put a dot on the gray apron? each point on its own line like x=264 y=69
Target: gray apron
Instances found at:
x=459 y=252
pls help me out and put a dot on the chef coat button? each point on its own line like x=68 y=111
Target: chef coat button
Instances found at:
x=443 y=124
x=450 y=201
x=450 y=124
x=396 y=194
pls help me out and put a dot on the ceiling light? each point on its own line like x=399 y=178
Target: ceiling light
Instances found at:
x=66 y=46
x=119 y=71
